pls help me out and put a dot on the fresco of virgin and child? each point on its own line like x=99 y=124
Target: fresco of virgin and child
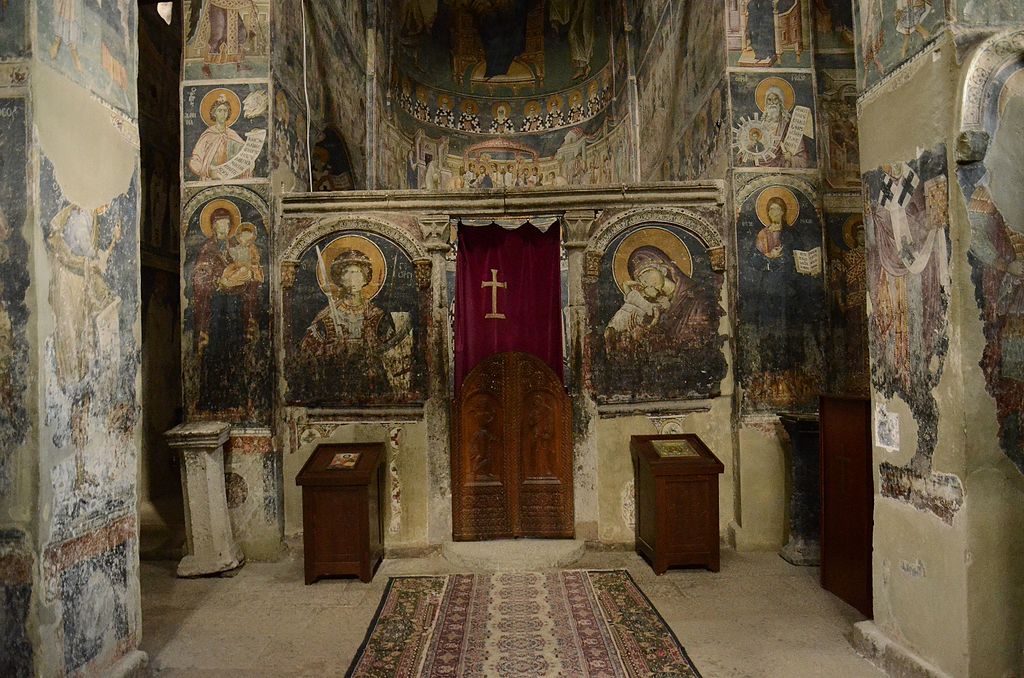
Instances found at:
x=655 y=322
x=228 y=315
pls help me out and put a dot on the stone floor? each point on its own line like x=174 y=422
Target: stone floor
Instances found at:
x=759 y=616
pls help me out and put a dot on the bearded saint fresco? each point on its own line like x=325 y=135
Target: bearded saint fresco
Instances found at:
x=996 y=212
x=777 y=136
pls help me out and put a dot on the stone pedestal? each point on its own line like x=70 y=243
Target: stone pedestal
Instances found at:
x=804 y=545
x=212 y=548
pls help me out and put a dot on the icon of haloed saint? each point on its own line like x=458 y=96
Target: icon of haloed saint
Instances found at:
x=217 y=154
x=662 y=306
x=353 y=344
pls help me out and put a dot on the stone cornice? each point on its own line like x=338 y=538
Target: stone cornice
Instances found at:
x=505 y=203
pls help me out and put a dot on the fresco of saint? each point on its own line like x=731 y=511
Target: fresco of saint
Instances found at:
x=224 y=28
x=760 y=35
x=997 y=253
x=78 y=272
x=220 y=152
x=576 y=18
x=68 y=29
x=778 y=137
x=353 y=345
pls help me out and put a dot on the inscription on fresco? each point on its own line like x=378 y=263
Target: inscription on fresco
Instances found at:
x=354 y=329
x=996 y=212
x=655 y=311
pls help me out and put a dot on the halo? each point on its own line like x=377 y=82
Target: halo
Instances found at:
x=532 y=106
x=788 y=95
x=501 y=104
x=792 y=204
x=469 y=106
x=359 y=244
x=555 y=99
x=236 y=229
x=575 y=95
x=206 y=105
x=211 y=207
x=651 y=236
x=848 y=230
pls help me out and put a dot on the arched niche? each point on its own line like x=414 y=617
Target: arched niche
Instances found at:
x=355 y=309
x=653 y=286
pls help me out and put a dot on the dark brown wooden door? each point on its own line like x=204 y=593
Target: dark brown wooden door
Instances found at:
x=847 y=500
x=512 y=452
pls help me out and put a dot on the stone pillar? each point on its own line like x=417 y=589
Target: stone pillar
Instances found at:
x=804 y=545
x=212 y=548
x=437 y=412
x=577 y=226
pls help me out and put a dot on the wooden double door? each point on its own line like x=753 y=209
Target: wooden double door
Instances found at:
x=512 y=452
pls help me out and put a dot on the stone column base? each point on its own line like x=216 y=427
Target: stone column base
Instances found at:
x=212 y=548
x=132 y=665
x=888 y=655
x=801 y=553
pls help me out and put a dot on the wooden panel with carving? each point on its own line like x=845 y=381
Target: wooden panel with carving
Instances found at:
x=512 y=452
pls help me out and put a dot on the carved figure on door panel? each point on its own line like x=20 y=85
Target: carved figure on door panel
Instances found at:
x=485 y=445
x=539 y=435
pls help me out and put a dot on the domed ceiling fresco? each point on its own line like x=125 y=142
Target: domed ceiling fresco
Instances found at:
x=503 y=94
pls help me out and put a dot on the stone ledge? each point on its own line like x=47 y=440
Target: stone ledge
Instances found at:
x=896 y=660
x=521 y=555
x=202 y=435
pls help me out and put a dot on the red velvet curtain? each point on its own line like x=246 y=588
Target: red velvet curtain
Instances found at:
x=508 y=296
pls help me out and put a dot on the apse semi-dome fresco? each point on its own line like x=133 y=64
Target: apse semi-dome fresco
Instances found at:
x=504 y=94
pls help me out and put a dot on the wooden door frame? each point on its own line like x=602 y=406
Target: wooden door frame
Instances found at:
x=519 y=486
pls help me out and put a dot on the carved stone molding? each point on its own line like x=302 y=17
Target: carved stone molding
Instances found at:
x=436 y=230
x=689 y=221
x=577 y=227
x=292 y=256
x=755 y=186
x=363 y=223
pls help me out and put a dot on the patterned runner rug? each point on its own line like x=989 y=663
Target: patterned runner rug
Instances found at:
x=578 y=623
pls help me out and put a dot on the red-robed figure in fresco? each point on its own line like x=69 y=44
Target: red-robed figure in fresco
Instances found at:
x=225 y=306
